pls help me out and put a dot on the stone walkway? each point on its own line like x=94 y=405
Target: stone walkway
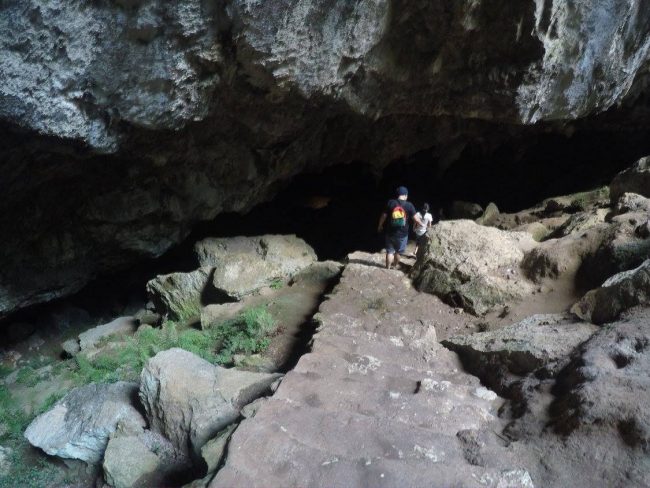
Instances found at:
x=377 y=402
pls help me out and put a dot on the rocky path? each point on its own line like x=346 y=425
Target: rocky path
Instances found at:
x=377 y=402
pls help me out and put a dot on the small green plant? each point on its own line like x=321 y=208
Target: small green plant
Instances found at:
x=188 y=312
x=247 y=334
x=376 y=303
x=276 y=284
x=49 y=402
x=12 y=418
x=27 y=376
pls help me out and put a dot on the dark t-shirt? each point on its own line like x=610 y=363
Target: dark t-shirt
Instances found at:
x=410 y=212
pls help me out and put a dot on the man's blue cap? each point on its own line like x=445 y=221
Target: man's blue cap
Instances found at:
x=401 y=190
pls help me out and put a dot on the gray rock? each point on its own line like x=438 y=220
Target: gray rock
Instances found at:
x=79 y=425
x=537 y=230
x=579 y=222
x=635 y=179
x=213 y=451
x=180 y=295
x=465 y=210
x=189 y=400
x=490 y=215
x=539 y=341
x=586 y=259
x=318 y=273
x=148 y=317
x=616 y=295
x=127 y=461
x=608 y=388
x=5 y=461
x=473 y=266
x=632 y=202
x=243 y=265
x=120 y=326
x=71 y=347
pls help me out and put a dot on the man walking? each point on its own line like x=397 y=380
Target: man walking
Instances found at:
x=395 y=219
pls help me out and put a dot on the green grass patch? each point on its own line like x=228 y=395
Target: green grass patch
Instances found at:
x=13 y=421
x=27 y=376
x=5 y=371
x=276 y=284
x=246 y=334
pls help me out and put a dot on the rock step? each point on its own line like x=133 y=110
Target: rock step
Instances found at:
x=464 y=408
x=315 y=447
x=349 y=415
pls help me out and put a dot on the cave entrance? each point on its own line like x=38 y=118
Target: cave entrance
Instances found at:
x=336 y=210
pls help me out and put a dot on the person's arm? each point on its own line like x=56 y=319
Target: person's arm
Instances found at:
x=418 y=220
x=382 y=220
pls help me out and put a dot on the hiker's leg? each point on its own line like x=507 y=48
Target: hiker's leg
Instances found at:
x=396 y=260
x=389 y=260
x=390 y=251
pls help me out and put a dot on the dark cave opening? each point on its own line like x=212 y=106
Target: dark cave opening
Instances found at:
x=336 y=211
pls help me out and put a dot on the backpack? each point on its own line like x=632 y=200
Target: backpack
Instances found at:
x=398 y=217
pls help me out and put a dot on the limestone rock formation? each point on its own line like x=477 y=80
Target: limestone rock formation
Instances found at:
x=119 y=326
x=189 y=400
x=180 y=294
x=127 y=460
x=126 y=123
x=473 y=266
x=586 y=258
x=632 y=202
x=635 y=179
x=606 y=393
x=137 y=457
x=616 y=295
x=538 y=342
x=244 y=264
x=79 y=425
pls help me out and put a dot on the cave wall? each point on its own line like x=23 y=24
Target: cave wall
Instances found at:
x=124 y=123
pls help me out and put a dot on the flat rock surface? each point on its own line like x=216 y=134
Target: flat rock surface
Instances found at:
x=473 y=266
x=377 y=402
x=523 y=347
x=121 y=326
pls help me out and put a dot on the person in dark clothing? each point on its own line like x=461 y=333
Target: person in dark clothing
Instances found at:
x=395 y=219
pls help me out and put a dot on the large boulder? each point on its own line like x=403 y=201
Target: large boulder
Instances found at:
x=585 y=259
x=539 y=341
x=606 y=391
x=180 y=295
x=141 y=458
x=473 y=266
x=579 y=222
x=120 y=326
x=127 y=461
x=619 y=293
x=189 y=400
x=632 y=202
x=79 y=425
x=242 y=265
x=635 y=179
